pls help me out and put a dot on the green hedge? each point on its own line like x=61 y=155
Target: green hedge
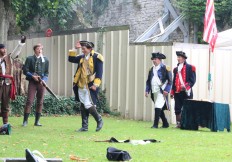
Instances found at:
x=65 y=105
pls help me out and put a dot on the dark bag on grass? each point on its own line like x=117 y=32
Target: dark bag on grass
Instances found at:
x=5 y=129
x=114 y=154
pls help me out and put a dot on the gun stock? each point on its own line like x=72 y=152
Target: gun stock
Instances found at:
x=47 y=88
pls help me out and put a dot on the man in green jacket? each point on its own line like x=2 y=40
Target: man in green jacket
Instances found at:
x=35 y=67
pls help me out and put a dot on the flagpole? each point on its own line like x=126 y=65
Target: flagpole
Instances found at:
x=210 y=36
x=209 y=76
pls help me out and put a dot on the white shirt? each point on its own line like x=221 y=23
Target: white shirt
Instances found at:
x=155 y=82
x=3 y=65
x=87 y=57
x=41 y=55
x=180 y=66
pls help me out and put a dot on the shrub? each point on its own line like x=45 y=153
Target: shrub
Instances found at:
x=51 y=106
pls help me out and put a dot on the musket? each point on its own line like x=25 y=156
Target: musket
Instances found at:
x=47 y=88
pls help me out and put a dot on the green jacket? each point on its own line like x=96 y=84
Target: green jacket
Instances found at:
x=32 y=66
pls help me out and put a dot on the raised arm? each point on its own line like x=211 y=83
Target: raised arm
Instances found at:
x=18 y=48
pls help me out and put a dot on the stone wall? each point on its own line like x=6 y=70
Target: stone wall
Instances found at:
x=138 y=14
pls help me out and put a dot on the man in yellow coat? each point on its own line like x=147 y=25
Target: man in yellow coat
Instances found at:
x=87 y=81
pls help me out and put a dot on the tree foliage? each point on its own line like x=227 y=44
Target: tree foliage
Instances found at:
x=194 y=11
x=58 y=12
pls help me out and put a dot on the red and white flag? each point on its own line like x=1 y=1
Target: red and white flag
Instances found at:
x=210 y=28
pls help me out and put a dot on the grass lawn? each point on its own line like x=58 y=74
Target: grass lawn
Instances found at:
x=57 y=138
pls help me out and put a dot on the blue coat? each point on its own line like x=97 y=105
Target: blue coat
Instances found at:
x=164 y=74
x=98 y=70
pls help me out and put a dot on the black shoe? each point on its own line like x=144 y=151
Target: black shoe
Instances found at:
x=164 y=120
x=38 y=124
x=97 y=117
x=25 y=119
x=177 y=125
x=82 y=130
x=99 y=124
x=84 y=118
x=165 y=126
x=156 y=120
x=37 y=117
x=25 y=123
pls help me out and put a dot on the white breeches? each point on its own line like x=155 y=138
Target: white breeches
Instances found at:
x=159 y=100
x=84 y=97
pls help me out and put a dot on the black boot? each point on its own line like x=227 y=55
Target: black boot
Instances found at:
x=164 y=120
x=85 y=118
x=156 y=120
x=5 y=117
x=37 y=117
x=97 y=117
x=25 y=119
x=178 y=119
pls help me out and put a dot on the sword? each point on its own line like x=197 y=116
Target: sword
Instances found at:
x=166 y=103
x=165 y=98
x=47 y=88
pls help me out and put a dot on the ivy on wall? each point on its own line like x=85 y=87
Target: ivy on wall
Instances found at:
x=58 y=12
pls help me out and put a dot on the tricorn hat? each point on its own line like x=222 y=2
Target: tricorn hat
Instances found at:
x=2 y=46
x=87 y=44
x=114 y=154
x=181 y=53
x=158 y=55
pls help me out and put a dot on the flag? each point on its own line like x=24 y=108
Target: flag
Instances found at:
x=210 y=28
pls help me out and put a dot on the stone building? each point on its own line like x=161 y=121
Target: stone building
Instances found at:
x=138 y=14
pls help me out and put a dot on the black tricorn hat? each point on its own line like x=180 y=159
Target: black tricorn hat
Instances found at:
x=2 y=46
x=181 y=53
x=158 y=55
x=114 y=154
x=87 y=44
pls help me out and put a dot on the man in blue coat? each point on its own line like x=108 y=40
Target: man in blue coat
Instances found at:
x=87 y=81
x=159 y=84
